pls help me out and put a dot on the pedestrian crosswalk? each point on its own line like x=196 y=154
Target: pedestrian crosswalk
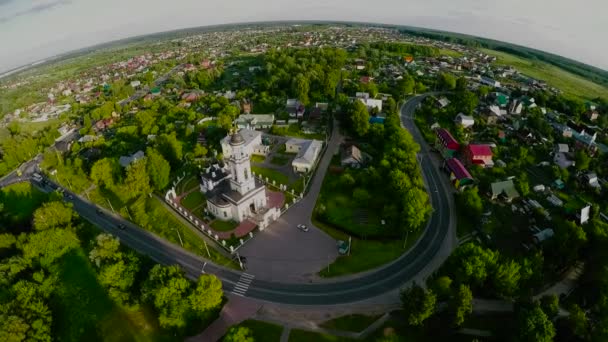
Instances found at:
x=242 y=285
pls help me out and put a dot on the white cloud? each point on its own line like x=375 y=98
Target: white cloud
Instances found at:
x=42 y=28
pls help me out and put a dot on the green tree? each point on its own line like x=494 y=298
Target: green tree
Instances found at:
x=300 y=88
x=171 y=148
x=406 y=85
x=418 y=303
x=416 y=208
x=360 y=119
x=7 y=240
x=578 y=322
x=471 y=203
x=48 y=245
x=472 y=264
x=461 y=84
x=103 y=172
x=535 y=326
x=158 y=169
x=239 y=334
x=167 y=289
x=582 y=160
x=461 y=305
x=207 y=294
x=106 y=249
x=54 y=215
x=137 y=181
x=200 y=151
x=506 y=278
x=118 y=278
x=446 y=81
x=361 y=196
x=10 y=268
x=550 y=305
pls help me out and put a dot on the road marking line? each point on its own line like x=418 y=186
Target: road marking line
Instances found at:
x=240 y=286
x=238 y=294
x=246 y=275
x=239 y=291
x=245 y=281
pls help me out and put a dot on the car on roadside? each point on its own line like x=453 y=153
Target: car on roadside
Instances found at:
x=303 y=227
x=121 y=226
x=98 y=211
x=343 y=247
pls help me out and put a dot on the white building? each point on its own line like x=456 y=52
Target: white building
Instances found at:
x=464 y=120
x=233 y=193
x=252 y=143
x=125 y=161
x=308 y=152
x=372 y=103
x=253 y=121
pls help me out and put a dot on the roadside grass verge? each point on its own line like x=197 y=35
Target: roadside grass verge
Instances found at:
x=297 y=335
x=263 y=331
x=354 y=323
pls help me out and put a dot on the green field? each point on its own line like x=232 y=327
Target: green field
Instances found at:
x=263 y=331
x=193 y=200
x=188 y=183
x=354 y=323
x=272 y=175
x=257 y=158
x=569 y=83
x=297 y=335
x=365 y=254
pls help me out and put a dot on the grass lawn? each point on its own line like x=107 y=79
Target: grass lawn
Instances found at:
x=257 y=158
x=297 y=335
x=83 y=311
x=272 y=175
x=569 y=83
x=20 y=201
x=294 y=130
x=365 y=254
x=279 y=160
x=193 y=200
x=263 y=331
x=188 y=183
x=354 y=323
x=223 y=226
x=451 y=53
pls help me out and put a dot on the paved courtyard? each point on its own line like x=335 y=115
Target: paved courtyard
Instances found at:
x=284 y=253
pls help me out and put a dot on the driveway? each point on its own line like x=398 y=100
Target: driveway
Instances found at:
x=282 y=252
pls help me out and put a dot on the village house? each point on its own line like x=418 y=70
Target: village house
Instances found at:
x=255 y=121
x=505 y=190
x=459 y=175
x=479 y=155
x=295 y=108
x=592 y=180
x=442 y=102
x=464 y=120
x=446 y=144
x=125 y=161
x=592 y=115
x=352 y=157
x=308 y=152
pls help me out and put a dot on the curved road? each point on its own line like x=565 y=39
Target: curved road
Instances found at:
x=366 y=286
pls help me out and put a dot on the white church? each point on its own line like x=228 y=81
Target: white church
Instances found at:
x=232 y=191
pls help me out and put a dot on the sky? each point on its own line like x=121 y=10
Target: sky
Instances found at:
x=31 y=30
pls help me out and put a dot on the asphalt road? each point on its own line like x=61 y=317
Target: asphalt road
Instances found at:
x=366 y=286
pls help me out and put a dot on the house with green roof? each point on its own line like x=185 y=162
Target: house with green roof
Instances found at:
x=505 y=189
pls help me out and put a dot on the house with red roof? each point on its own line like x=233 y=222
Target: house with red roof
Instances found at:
x=446 y=144
x=478 y=155
x=459 y=175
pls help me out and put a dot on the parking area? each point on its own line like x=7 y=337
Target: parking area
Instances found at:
x=284 y=253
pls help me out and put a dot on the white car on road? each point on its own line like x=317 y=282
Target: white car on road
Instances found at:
x=303 y=227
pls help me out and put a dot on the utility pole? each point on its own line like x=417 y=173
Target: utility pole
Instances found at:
x=407 y=232
x=328 y=264
x=350 y=241
x=128 y=213
x=110 y=203
x=179 y=236
x=207 y=248
x=238 y=257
